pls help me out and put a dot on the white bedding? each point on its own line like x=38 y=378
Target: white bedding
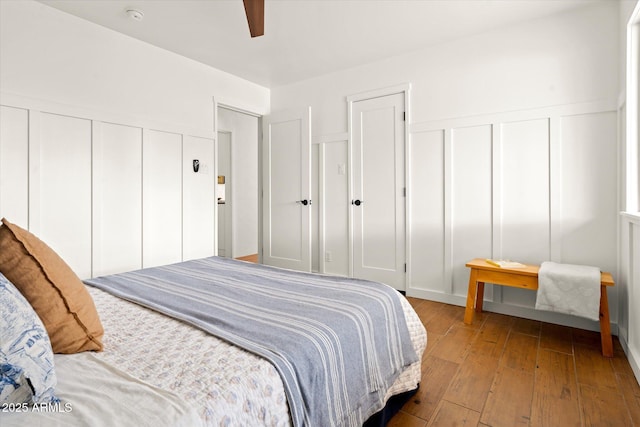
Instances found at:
x=94 y=393
x=223 y=384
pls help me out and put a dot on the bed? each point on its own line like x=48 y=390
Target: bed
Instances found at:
x=157 y=368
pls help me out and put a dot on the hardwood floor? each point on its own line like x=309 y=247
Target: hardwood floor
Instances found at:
x=508 y=371
x=250 y=258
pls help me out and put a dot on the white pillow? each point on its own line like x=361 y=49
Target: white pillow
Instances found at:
x=26 y=359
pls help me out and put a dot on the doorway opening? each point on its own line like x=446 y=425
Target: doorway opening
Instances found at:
x=238 y=183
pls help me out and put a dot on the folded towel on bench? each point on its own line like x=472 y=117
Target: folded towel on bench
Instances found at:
x=570 y=289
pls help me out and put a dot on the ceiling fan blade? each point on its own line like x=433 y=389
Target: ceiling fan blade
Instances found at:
x=255 y=16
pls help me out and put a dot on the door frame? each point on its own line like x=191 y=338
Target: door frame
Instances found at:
x=404 y=88
x=228 y=193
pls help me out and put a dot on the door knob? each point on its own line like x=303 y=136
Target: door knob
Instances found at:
x=304 y=202
x=357 y=202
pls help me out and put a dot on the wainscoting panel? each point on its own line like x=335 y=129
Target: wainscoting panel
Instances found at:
x=471 y=199
x=198 y=200
x=588 y=182
x=60 y=186
x=426 y=196
x=161 y=198
x=531 y=186
x=14 y=161
x=522 y=218
x=334 y=208
x=117 y=205
x=108 y=193
x=631 y=267
x=524 y=195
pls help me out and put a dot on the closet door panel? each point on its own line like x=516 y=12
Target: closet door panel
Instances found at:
x=60 y=187
x=198 y=198
x=14 y=165
x=117 y=198
x=161 y=198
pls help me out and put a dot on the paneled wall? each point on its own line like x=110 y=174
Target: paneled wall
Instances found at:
x=108 y=197
x=14 y=158
x=630 y=278
x=124 y=196
x=530 y=186
x=161 y=197
x=512 y=153
x=198 y=200
x=117 y=186
x=533 y=186
x=333 y=205
x=60 y=185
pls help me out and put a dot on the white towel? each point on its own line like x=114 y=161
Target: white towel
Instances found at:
x=571 y=289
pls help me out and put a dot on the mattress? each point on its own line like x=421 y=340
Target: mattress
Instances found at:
x=177 y=372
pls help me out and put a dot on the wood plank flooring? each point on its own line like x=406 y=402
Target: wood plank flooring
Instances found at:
x=508 y=371
x=250 y=258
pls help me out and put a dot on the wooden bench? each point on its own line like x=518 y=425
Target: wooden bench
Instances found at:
x=527 y=278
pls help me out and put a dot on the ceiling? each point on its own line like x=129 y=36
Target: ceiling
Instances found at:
x=305 y=38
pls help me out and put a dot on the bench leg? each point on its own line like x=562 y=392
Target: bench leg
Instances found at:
x=471 y=297
x=605 y=324
x=479 y=297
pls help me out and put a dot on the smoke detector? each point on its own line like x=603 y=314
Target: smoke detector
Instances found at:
x=135 y=14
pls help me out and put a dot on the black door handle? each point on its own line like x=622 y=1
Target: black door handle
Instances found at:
x=357 y=202
x=304 y=202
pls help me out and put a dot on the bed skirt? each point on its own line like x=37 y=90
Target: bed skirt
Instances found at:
x=393 y=406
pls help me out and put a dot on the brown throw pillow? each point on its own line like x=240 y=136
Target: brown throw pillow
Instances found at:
x=53 y=290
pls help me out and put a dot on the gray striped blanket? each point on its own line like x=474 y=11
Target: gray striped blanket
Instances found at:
x=337 y=343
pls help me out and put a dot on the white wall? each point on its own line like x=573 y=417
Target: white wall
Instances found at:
x=553 y=61
x=108 y=197
x=481 y=95
x=513 y=151
x=50 y=55
x=97 y=138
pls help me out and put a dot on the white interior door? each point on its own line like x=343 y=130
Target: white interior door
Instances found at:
x=378 y=182
x=287 y=189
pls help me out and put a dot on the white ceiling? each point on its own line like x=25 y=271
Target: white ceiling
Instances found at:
x=305 y=38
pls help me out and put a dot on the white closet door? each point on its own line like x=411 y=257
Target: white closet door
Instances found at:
x=198 y=198
x=161 y=198
x=60 y=187
x=287 y=189
x=378 y=205
x=117 y=198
